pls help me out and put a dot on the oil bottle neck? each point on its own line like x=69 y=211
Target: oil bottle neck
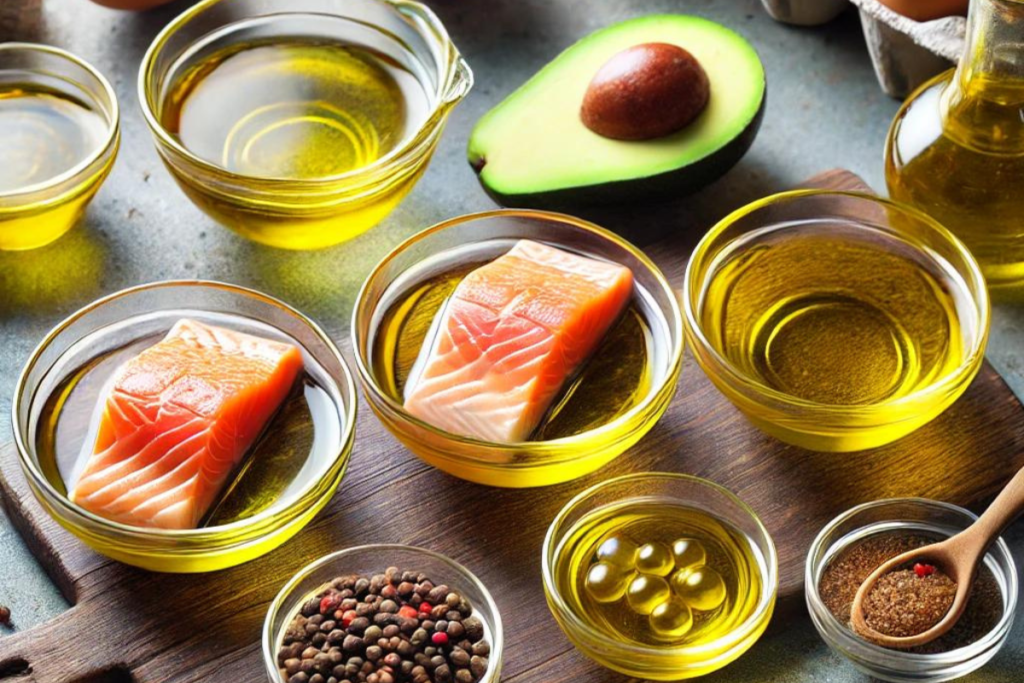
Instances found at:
x=985 y=100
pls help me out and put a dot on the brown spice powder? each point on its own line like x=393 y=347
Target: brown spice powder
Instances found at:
x=848 y=570
x=903 y=604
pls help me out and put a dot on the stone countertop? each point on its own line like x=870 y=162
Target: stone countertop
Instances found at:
x=824 y=110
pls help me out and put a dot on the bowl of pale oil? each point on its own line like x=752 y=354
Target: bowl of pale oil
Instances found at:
x=300 y=123
x=59 y=131
x=836 y=321
x=660 y=576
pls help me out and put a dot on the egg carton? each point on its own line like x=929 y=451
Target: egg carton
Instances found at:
x=905 y=53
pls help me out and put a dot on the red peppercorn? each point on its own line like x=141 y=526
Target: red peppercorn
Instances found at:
x=329 y=603
x=408 y=611
x=426 y=607
x=440 y=639
x=923 y=570
x=348 y=617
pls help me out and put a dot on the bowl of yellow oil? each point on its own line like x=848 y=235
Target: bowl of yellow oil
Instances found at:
x=300 y=123
x=59 y=131
x=288 y=475
x=836 y=321
x=660 y=576
x=610 y=403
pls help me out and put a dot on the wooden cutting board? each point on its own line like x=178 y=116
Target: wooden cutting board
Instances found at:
x=130 y=625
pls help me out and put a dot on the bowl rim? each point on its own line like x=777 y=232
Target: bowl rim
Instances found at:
x=675 y=359
x=268 y=519
x=837 y=635
x=762 y=391
x=455 y=79
x=269 y=638
x=112 y=119
x=764 y=608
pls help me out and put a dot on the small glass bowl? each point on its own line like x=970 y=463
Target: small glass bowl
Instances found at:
x=661 y=663
x=819 y=426
x=915 y=515
x=485 y=236
x=132 y=314
x=315 y=213
x=38 y=214
x=367 y=560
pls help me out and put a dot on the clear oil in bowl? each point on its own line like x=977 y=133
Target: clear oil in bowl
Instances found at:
x=630 y=360
x=659 y=573
x=294 y=109
x=294 y=450
x=841 y=315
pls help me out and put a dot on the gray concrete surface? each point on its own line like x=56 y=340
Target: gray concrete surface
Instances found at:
x=824 y=110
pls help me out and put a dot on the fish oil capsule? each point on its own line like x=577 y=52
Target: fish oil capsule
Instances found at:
x=654 y=558
x=702 y=588
x=647 y=592
x=606 y=582
x=671 y=620
x=688 y=553
x=617 y=550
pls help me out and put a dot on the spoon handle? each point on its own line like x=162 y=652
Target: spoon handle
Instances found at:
x=1007 y=506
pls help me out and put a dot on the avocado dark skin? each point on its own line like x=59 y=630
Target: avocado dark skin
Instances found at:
x=665 y=187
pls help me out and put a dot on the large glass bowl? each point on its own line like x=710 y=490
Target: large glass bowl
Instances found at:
x=314 y=213
x=485 y=236
x=151 y=310
x=832 y=427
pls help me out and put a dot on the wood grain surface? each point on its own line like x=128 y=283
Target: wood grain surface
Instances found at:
x=131 y=625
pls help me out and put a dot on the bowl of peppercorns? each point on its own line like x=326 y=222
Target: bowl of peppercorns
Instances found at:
x=383 y=614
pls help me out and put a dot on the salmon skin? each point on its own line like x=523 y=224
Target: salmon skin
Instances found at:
x=178 y=419
x=510 y=336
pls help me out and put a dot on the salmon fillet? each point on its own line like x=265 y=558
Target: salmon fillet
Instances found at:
x=178 y=419
x=510 y=336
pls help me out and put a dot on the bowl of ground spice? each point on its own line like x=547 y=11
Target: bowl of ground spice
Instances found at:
x=860 y=540
x=383 y=614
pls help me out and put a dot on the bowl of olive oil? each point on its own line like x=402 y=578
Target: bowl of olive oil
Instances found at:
x=300 y=123
x=59 y=131
x=836 y=321
x=616 y=396
x=660 y=576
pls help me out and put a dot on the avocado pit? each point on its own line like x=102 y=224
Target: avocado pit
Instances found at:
x=645 y=92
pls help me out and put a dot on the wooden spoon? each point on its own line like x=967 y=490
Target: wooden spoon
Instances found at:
x=958 y=557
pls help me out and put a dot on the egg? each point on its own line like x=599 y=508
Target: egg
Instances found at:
x=927 y=10
x=133 y=5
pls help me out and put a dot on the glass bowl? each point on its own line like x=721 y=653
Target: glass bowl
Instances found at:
x=911 y=514
x=313 y=213
x=39 y=213
x=133 y=316
x=485 y=236
x=643 y=661
x=368 y=560
x=824 y=426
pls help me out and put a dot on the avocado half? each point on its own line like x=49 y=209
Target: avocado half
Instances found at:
x=532 y=150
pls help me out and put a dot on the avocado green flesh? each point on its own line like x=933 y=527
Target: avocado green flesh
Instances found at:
x=534 y=142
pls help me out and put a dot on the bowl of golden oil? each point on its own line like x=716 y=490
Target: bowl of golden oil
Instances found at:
x=300 y=123
x=288 y=475
x=59 y=131
x=610 y=403
x=660 y=576
x=836 y=321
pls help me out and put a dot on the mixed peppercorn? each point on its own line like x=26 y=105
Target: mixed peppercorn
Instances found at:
x=394 y=627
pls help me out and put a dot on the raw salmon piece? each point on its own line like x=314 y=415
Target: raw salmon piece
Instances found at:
x=178 y=419
x=510 y=336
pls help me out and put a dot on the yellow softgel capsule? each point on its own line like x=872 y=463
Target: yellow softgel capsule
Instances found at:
x=617 y=550
x=655 y=558
x=671 y=620
x=605 y=582
x=688 y=553
x=702 y=588
x=646 y=592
